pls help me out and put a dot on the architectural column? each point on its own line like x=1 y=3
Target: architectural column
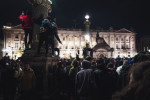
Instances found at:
x=125 y=41
x=91 y=41
x=74 y=42
x=110 y=40
x=130 y=43
x=114 y=41
x=80 y=41
x=67 y=42
x=12 y=40
x=120 y=41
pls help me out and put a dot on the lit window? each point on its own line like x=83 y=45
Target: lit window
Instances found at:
x=16 y=45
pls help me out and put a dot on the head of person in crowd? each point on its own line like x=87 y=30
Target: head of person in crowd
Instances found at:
x=125 y=62
x=59 y=64
x=140 y=57
x=27 y=66
x=100 y=63
x=86 y=64
x=93 y=64
x=17 y=66
x=110 y=66
x=75 y=63
x=139 y=84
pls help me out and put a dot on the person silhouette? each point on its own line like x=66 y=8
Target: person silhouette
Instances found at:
x=49 y=31
x=27 y=25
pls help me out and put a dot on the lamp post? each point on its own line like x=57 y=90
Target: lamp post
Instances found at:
x=87 y=28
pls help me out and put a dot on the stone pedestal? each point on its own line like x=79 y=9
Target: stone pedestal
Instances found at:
x=41 y=65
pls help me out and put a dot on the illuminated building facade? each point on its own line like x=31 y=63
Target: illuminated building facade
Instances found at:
x=122 y=41
x=143 y=43
x=13 y=41
x=74 y=40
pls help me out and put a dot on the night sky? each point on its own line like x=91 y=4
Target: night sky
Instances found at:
x=103 y=13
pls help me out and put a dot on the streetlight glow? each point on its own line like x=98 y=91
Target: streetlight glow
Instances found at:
x=87 y=17
x=87 y=37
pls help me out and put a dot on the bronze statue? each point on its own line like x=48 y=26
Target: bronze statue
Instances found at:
x=48 y=32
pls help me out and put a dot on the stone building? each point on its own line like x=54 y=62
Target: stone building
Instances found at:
x=74 y=40
x=13 y=41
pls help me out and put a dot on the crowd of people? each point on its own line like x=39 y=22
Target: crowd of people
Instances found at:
x=15 y=79
x=80 y=79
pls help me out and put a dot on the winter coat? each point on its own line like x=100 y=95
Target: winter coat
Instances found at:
x=28 y=79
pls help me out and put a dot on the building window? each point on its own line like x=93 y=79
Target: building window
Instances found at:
x=127 y=46
x=128 y=52
x=118 y=53
x=9 y=43
x=117 y=46
x=63 y=38
x=66 y=47
x=16 y=45
x=132 y=45
x=122 y=46
x=16 y=36
x=22 y=37
x=122 y=39
x=8 y=35
x=23 y=45
x=127 y=39
x=117 y=39
x=112 y=39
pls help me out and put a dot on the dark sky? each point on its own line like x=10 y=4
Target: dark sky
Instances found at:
x=104 y=13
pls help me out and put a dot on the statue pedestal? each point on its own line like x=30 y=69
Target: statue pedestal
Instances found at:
x=41 y=66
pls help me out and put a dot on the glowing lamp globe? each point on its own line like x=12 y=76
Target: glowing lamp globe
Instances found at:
x=87 y=17
x=87 y=37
